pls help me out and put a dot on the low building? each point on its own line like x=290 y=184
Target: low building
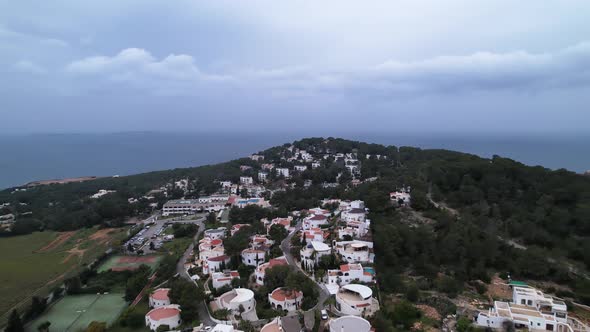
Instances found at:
x=257 y=157
x=260 y=271
x=285 y=299
x=181 y=206
x=236 y=300
x=159 y=298
x=168 y=315
x=355 y=251
x=224 y=278
x=356 y=300
x=253 y=257
x=350 y=324
x=311 y=254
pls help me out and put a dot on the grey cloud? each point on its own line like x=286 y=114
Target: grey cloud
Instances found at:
x=485 y=71
x=29 y=67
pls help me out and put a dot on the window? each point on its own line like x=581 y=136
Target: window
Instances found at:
x=523 y=301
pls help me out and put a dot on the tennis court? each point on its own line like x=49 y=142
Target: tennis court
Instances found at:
x=122 y=263
x=75 y=312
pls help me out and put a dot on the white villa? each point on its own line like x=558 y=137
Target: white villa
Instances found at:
x=282 y=171
x=168 y=315
x=530 y=309
x=246 y=180
x=285 y=299
x=259 y=273
x=314 y=234
x=356 y=300
x=355 y=251
x=215 y=264
x=348 y=273
x=159 y=298
x=401 y=196
x=354 y=214
x=236 y=298
x=285 y=222
x=215 y=233
x=314 y=221
x=253 y=257
x=311 y=254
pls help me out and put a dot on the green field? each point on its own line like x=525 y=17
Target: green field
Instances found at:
x=74 y=313
x=28 y=267
x=115 y=263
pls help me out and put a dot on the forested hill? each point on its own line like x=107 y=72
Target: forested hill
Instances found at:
x=469 y=215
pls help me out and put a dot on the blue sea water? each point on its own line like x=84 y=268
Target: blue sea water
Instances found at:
x=25 y=158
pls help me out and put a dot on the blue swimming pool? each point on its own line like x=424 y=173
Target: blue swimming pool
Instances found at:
x=369 y=270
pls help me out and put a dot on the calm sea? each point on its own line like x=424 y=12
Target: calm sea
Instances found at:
x=25 y=158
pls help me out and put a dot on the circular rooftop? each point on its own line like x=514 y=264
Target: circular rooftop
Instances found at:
x=350 y=324
x=364 y=291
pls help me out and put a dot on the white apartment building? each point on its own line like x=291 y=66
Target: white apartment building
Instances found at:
x=262 y=176
x=282 y=171
x=246 y=180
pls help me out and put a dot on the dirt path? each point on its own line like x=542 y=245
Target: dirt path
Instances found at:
x=75 y=251
x=61 y=239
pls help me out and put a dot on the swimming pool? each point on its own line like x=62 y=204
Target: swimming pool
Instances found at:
x=369 y=270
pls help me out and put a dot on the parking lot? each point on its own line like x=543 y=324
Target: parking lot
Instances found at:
x=153 y=230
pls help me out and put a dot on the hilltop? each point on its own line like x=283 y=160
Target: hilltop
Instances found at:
x=469 y=222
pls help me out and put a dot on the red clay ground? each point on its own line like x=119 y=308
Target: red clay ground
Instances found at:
x=61 y=239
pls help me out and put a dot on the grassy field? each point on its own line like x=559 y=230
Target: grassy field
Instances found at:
x=74 y=313
x=120 y=262
x=36 y=263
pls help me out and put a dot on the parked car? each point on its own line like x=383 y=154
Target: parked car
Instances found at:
x=324 y=314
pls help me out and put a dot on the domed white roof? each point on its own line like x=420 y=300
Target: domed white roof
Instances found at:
x=350 y=324
x=364 y=291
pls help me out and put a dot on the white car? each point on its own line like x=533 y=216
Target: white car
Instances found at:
x=324 y=314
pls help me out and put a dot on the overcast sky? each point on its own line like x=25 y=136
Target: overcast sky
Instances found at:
x=463 y=66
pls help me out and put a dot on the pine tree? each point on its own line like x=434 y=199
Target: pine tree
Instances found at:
x=14 y=323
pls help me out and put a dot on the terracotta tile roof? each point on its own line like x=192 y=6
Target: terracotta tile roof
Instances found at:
x=160 y=294
x=281 y=294
x=163 y=313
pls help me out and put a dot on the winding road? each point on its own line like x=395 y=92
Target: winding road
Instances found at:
x=204 y=316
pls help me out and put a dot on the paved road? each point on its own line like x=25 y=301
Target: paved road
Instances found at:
x=286 y=248
x=203 y=313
